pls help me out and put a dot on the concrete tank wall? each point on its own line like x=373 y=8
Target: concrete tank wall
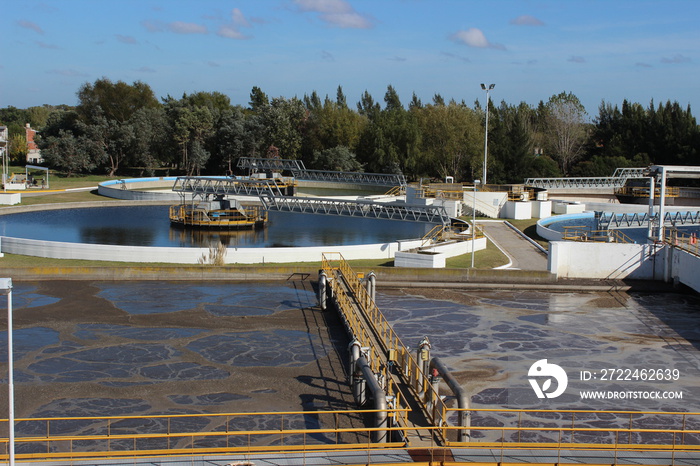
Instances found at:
x=175 y=255
x=570 y=259
x=685 y=267
x=130 y=189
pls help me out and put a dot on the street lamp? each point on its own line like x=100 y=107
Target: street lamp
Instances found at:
x=474 y=218
x=486 y=137
x=6 y=288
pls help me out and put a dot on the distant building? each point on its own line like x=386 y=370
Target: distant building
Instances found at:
x=33 y=152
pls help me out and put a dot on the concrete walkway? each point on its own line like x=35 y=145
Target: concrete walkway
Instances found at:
x=522 y=253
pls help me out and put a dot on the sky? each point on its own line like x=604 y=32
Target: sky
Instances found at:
x=607 y=50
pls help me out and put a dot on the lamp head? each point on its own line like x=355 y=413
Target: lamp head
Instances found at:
x=491 y=86
x=483 y=86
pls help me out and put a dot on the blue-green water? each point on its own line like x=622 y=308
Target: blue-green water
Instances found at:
x=150 y=226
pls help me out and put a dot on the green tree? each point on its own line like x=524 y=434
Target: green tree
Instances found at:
x=451 y=140
x=114 y=101
x=338 y=158
x=68 y=153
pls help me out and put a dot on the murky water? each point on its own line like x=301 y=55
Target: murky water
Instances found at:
x=152 y=347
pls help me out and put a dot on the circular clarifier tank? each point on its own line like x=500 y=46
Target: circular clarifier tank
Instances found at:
x=150 y=226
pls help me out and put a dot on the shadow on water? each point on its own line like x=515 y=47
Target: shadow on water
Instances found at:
x=681 y=316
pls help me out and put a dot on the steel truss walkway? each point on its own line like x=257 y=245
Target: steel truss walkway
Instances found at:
x=608 y=220
x=299 y=171
x=202 y=185
x=367 y=209
x=618 y=180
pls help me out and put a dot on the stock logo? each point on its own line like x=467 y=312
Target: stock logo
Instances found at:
x=545 y=372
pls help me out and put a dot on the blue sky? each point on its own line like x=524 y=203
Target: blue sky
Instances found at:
x=531 y=49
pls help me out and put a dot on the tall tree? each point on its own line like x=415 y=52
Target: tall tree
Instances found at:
x=566 y=128
x=115 y=101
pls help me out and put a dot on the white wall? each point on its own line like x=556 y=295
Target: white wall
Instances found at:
x=176 y=255
x=10 y=198
x=542 y=209
x=434 y=257
x=569 y=259
x=517 y=210
x=685 y=267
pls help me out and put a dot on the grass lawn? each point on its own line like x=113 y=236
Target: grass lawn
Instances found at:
x=529 y=227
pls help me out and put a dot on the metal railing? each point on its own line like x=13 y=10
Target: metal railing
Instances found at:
x=202 y=185
x=583 y=429
x=618 y=180
x=297 y=168
x=688 y=242
x=641 y=219
x=186 y=434
x=585 y=233
x=186 y=214
x=394 y=350
x=643 y=191
x=502 y=431
x=367 y=209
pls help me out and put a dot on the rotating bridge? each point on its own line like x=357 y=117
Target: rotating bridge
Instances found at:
x=300 y=172
x=357 y=208
x=617 y=180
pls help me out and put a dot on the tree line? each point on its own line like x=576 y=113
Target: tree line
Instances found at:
x=123 y=129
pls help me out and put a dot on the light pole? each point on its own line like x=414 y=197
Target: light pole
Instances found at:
x=474 y=219
x=486 y=137
x=6 y=288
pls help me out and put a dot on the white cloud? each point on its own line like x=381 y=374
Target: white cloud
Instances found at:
x=126 y=39
x=233 y=30
x=30 y=25
x=44 y=45
x=474 y=37
x=180 y=27
x=238 y=18
x=678 y=58
x=526 y=20
x=336 y=13
x=152 y=26
x=69 y=73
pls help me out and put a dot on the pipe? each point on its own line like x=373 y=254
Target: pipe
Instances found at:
x=355 y=375
x=380 y=403
x=662 y=203
x=322 y=289
x=464 y=419
x=423 y=358
x=651 y=207
x=372 y=285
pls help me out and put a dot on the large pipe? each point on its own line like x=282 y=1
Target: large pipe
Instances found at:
x=423 y=357
x=464 y=419
x=651 y=207
x=356 y=383
x=662 y=203
x=380 y=403
x=322 y=290
x=372 y=285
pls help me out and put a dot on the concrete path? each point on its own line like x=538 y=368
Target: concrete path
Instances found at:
x=521 y=252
